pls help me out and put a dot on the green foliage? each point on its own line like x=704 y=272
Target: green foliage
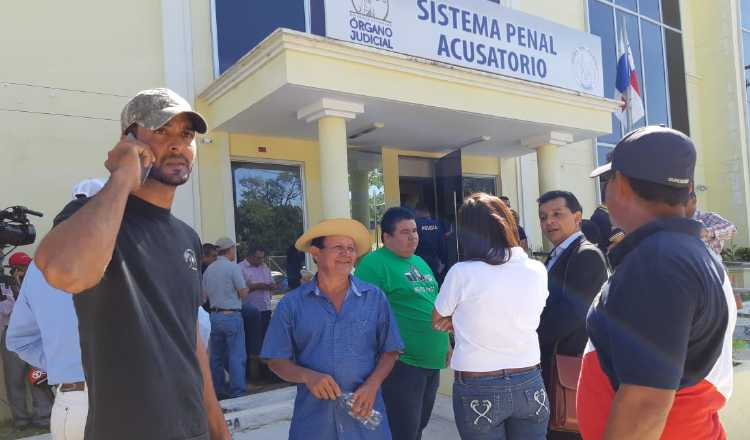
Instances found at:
x=269 y=213
x=735 y=253
x=377 y=194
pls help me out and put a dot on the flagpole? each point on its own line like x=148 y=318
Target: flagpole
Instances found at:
x=629 y=90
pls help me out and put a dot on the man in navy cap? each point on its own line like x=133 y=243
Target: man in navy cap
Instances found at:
x=659 y=359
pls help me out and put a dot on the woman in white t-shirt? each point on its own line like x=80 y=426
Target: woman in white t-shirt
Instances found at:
x=493 y=301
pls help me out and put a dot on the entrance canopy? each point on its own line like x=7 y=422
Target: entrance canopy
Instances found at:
x=422 y=105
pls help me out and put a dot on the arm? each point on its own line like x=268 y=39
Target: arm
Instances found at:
x=585 y=275
x=23 y=335
x=364 y=397
x=242 y=293
x=76 y=253
x=217 y=426
x=239 y=282
x=322 y=386
x=638 y=413
x=390 y=345
x=447 y=301
x=441 y=323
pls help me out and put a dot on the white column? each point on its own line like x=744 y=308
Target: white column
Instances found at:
x=331 y=116
x=177 y=42
x=548 y=161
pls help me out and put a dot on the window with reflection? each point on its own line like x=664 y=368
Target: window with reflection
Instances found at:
x=268 y=208
x=242 y=25
x=655 y=36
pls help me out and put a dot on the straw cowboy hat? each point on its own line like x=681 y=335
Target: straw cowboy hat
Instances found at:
x=337 y=226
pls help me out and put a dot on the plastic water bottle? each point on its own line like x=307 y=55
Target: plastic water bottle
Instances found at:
x=346 y=402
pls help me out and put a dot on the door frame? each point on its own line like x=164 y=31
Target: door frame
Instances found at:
x=261 y=161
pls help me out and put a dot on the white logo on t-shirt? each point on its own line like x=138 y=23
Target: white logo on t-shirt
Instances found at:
x=190 y=259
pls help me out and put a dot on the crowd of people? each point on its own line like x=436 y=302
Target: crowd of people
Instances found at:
x=622 y=332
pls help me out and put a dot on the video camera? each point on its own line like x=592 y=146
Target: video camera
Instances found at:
x=15 y=228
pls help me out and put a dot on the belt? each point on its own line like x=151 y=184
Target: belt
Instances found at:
x=496 y=373
x=75 y=386
x=216 y=309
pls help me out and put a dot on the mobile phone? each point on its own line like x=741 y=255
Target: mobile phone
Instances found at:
x=145 y=169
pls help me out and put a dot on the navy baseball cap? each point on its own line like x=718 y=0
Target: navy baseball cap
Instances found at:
x=655 y=154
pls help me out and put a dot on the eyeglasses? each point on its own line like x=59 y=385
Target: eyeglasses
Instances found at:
x=342 y=250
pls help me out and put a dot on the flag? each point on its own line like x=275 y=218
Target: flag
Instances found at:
x=627 y=90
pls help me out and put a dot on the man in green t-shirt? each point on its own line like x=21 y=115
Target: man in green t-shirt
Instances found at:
x=410 y=390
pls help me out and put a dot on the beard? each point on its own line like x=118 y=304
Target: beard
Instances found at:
x=170 y=178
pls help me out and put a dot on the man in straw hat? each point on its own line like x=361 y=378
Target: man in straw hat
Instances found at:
x=334 y=335
x=134 y=270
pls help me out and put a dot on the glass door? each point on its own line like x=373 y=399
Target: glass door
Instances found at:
x=269 y=211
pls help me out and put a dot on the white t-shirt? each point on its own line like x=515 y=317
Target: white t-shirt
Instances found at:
x=495 y=311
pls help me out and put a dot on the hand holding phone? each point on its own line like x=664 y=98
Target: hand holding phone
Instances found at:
x=130 y=159
x=145 y=169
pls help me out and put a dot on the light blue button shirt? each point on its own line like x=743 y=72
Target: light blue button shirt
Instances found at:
x=43 y=329
x=560 y=248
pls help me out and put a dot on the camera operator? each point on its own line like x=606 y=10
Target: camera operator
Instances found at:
x=16 y=370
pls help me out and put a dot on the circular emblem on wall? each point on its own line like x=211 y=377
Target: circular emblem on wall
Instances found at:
x=372 y=8
x=585 y=68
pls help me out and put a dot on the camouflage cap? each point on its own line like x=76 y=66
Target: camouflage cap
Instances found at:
x=153 y=108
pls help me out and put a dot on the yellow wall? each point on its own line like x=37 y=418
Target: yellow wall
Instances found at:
x=717 y=109
x=217 y=203
x=67 y=70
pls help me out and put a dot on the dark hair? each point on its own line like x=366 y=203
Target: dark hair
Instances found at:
x=487 y=229
x=655 y=192
x=318 y=242
x=570 y=199
x=253 y=248
x=391 y=217
x=209 y=248
x=591 y=231
x=504 y=198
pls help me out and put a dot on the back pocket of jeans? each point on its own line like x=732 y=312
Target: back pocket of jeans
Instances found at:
x=480 y=412
x=537 y=402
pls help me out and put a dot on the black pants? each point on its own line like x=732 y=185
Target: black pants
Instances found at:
x=409 y=393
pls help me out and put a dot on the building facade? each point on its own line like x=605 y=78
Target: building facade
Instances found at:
x=306 y=126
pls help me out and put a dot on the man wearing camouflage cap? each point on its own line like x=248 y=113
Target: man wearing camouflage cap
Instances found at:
x=133 y=268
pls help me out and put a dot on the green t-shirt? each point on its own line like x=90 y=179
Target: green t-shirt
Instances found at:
x=411 y=290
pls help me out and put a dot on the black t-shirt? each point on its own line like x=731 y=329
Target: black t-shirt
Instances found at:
x=138 y=331
x=661 y=320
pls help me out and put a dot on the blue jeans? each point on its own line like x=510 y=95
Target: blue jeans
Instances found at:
x=512 y=407
x=256 y=326
x=228 y=353
x=409 y=393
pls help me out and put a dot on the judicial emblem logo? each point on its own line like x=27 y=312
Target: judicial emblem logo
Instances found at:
x=585 y=68
x=190 y=259
x=378 y=9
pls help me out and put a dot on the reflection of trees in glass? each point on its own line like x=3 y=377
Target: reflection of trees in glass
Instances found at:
x=268 y=209
x=377 y=194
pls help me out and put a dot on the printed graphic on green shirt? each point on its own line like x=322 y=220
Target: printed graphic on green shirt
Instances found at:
x=411 y=289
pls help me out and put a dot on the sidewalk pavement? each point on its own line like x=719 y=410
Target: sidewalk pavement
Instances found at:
x=267 y=416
